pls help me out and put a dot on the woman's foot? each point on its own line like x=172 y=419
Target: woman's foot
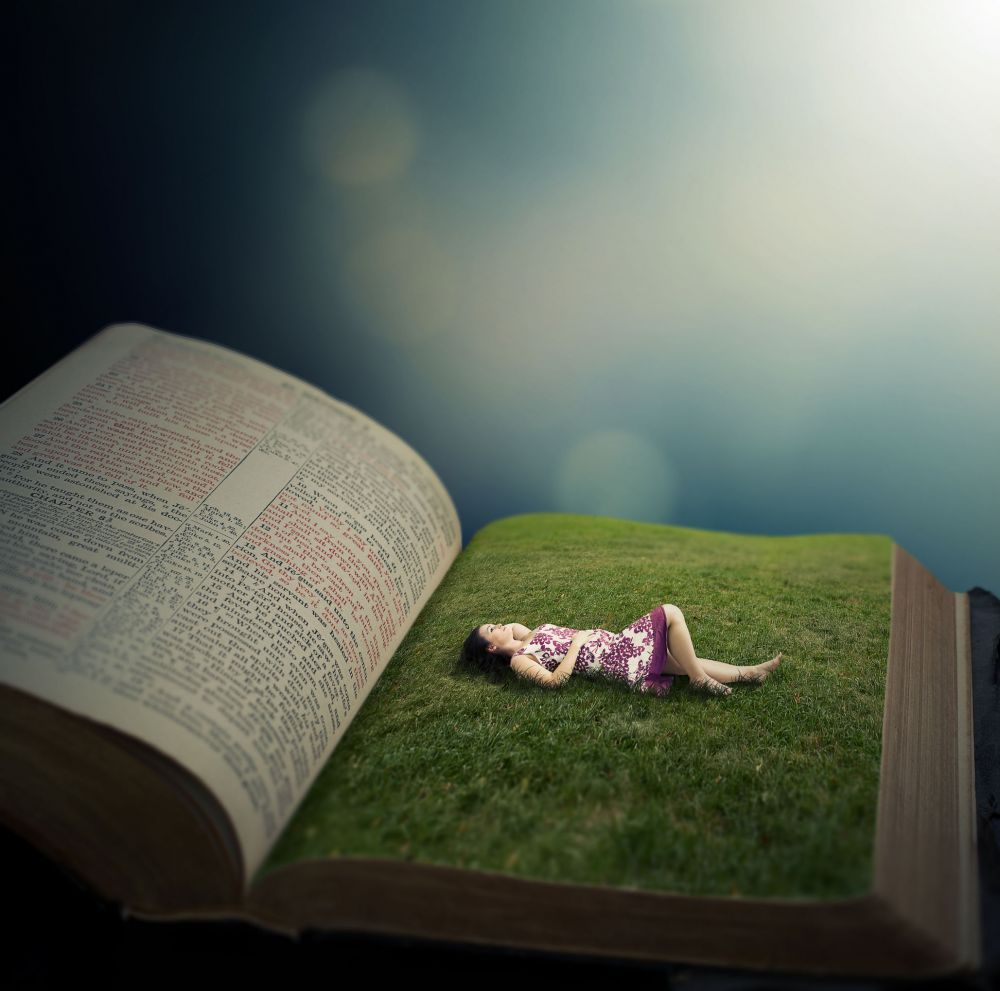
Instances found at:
x=758 y=672
x=711 y=687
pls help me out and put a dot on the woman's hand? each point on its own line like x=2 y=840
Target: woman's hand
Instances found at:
x=565 y=667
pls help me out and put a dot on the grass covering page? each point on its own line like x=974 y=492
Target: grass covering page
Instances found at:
x=770 y=792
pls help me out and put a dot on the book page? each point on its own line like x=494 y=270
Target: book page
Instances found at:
x=212 y=556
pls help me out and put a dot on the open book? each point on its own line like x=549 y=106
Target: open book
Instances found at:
x=209 y=566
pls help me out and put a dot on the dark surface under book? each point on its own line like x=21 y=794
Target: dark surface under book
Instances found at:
x=58 y=930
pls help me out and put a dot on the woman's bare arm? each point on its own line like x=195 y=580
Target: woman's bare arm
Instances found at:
x=528 y=666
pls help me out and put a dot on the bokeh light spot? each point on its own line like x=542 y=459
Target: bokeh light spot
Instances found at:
x=359 y=128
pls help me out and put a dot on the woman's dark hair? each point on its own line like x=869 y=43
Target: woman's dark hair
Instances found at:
x=475 y=654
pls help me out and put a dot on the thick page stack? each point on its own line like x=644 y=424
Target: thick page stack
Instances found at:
x=213 y=558
x=208 y=567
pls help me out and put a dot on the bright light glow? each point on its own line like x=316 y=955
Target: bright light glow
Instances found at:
x=774 y=249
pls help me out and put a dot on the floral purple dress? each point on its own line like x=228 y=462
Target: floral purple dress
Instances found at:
x=637 y=655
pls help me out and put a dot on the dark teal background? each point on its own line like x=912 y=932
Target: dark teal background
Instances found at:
x=724 y=265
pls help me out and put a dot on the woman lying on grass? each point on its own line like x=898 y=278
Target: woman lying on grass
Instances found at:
x=646 y=654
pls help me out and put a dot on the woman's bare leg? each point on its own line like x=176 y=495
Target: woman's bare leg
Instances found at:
x=681 y=650
x=728 y=673
x=703 y=671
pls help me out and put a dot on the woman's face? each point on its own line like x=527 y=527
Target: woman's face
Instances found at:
x=503 y=639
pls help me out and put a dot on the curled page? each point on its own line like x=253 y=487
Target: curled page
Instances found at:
x=211 y=556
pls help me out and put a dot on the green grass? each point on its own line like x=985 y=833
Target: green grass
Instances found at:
x=770 y=792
